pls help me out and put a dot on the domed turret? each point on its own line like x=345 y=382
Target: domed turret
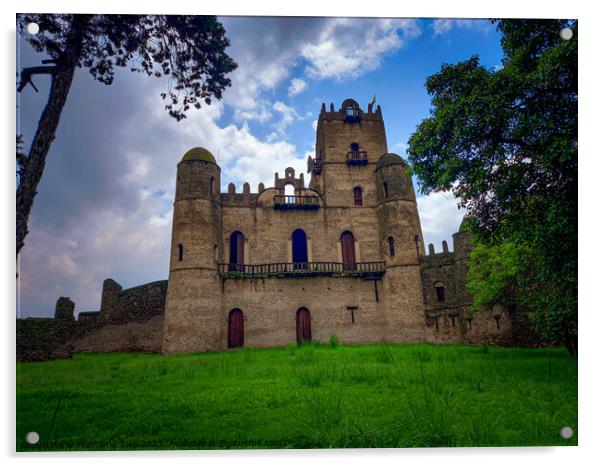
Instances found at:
x=198 y=175
x=199 y=153
x=393 y=176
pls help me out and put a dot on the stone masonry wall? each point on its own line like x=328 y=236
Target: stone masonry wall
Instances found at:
x=129 y=320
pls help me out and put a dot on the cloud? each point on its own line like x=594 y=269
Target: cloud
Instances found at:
x=443 y=25
x=440 y=217
x=296 y=87
x=267 y=48
x=287 y=116
x=347 y=48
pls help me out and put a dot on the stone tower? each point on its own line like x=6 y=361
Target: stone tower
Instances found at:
x=193 y=320
x=348 y=143
x=402 y=243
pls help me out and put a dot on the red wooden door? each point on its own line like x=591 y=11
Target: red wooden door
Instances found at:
x=348 y=250
x=303 y=326
x=236 y=331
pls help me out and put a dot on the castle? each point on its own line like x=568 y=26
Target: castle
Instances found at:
x=343 y=255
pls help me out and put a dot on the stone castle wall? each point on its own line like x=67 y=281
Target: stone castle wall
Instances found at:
x=452 y=320
x=129 y=320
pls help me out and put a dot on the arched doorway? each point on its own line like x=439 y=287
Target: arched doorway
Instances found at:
x=348 y=250
x=236 y=329
x=299 y=239
x=237 y=251
x=303 y=326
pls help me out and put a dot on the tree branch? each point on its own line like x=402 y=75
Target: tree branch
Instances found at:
x=27 y=74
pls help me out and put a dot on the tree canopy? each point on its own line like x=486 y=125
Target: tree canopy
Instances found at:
x=504 y=141
x=189 y=50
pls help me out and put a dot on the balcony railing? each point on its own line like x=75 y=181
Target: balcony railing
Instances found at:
x=284 y=202
x=357 y=157
x=367 y=270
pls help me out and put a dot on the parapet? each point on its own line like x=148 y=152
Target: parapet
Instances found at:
x=350 y=112
x=289 y=178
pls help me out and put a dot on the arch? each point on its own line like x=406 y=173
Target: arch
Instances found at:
x=236 y=329
x=348 y=250
x=357 y=196
x=289 y=189
x=354 y=147
x=299 y=240
x=237 y=251
x=211 y=186
x=391 y=242
x=303 y=325
x=385 y=189
x=351 y=110
x=440 y=291
x=180 y=252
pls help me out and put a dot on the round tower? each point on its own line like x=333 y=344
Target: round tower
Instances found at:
x=402 y=246
x=193 y=320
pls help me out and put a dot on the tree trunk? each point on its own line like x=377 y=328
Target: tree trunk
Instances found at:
x=61 y=79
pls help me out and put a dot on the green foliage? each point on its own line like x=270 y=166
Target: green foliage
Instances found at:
x=494 y=274
x=306 y=397
x=334 y=340
x=505 y=142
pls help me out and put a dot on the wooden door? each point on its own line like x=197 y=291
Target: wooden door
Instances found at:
x=236 y=331
x=303 y=326
x=348 y=250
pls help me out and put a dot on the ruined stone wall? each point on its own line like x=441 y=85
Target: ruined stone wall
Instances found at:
x=452 y=320
x=129 y=320
x=44 y=339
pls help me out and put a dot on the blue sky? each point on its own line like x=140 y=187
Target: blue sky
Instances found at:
x=104 y=204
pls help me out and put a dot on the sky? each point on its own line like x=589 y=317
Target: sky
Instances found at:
x=104 y=205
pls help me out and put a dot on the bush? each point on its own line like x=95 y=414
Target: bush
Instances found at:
x=334 y=340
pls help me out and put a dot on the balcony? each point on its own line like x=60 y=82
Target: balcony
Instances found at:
x=357 y=157
x=365 y=270
x=284 y=202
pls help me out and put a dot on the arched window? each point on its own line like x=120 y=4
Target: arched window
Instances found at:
x=211 y=186
x=355 y=147
x=180 y=252
x=440 y=291
x=236 y=329
x=299 y=239
x=237 y=251
x=385 y=189
x=357 y=196
x=289 y=190
x=391 y=241
x=348 y=250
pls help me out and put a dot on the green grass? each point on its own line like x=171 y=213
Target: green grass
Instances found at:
x=310 y=397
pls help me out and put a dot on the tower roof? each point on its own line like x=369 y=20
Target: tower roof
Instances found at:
x=390 y=159
x=199 y=153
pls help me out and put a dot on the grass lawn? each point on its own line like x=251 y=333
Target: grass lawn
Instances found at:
x=309 y=397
